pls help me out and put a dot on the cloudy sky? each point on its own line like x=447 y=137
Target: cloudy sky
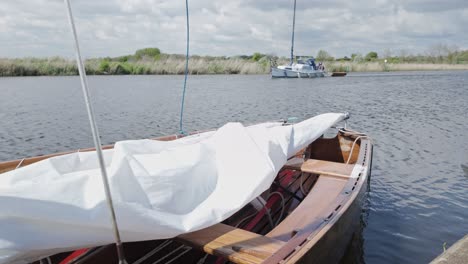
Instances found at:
x=231 y=27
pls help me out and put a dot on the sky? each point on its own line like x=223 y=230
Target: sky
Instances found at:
x=39 y=28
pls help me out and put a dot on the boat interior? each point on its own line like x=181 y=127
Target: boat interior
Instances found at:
x=307 y=192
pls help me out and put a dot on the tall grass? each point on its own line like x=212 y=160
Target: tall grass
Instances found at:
x=165 y=64
x=175 y=64
x=36 y=67
x=381 y=66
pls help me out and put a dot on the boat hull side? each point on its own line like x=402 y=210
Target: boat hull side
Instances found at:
x=333 y=245
x=283 y=73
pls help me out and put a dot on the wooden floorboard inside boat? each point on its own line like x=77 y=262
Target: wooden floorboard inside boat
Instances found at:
x=324 y=192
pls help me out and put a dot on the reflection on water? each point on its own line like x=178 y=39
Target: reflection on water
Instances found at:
x=419 y=189
x=355 y=251
x=465 y=169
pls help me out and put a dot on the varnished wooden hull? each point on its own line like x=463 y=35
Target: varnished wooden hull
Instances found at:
x=317 y=230
x=333 y=245
x=329 y=236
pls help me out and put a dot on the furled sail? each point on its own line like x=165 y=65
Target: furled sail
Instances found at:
x=160 y=189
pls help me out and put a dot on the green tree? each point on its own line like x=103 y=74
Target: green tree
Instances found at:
x=257 y=56
x=123 y=58
x=148 y=52
x=371 y=56
x=322 y=55
x=462 y=57
x=104 y=66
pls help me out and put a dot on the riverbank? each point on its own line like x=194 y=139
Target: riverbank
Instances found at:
x=385 y=67
x=456 y=254
x=175 y=64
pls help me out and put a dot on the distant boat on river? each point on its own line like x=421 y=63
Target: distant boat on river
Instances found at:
x=301 y=68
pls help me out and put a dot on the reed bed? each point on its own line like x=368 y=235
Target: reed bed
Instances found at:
x=165 y=65
x=175 y=64
x=382 y=66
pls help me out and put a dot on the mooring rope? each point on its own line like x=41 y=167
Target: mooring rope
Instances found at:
x=95 y=132
x=181 y=128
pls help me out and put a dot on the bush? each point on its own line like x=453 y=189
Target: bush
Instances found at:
x=148 y=52
x=104 y=66
x=257 y=56
x=324 y=56
x=121 y=68
x=371 y=56
x=265 y=62
x=123 y=58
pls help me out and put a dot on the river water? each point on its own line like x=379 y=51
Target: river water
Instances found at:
x=418 y=195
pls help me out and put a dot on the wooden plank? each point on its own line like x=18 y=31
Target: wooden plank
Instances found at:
x=321 y=167
x=235 y=244
x=327 y=168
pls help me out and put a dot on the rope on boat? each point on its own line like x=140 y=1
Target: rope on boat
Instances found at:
x=187 y=249
x=352 y=147
x=359 y=136
x=283 y=204
x=181 y=128
x=267 y=212
x=95 y=133
x=203 y=259
x=19 y=164
x=153 y=251
x=245 y=218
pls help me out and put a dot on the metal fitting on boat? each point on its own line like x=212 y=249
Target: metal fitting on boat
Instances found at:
x=346 y=115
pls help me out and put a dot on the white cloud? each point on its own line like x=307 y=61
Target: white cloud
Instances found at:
x=117 y=27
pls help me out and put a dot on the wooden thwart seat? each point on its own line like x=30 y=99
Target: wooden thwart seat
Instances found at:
x=321 y=167
x=235 y=244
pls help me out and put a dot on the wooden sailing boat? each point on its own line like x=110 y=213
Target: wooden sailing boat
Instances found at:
x=309 y=215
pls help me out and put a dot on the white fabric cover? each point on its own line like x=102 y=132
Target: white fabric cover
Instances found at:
x=160 y=189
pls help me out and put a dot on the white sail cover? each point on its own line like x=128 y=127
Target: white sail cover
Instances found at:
x=160 y=189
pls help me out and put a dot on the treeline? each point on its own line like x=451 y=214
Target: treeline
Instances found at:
x=438 y=54
x=144 y=61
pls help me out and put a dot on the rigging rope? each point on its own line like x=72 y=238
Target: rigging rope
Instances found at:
x=181 y=128
x=95 y=132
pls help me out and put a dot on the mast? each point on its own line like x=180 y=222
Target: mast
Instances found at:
x=292 y=38
x=96 y=138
